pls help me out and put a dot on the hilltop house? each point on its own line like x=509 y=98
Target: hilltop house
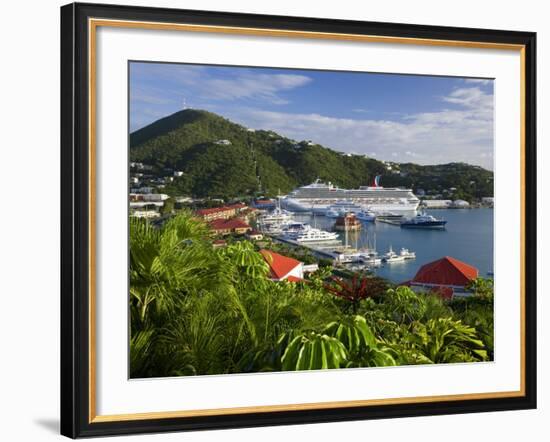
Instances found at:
x=283 y=268
x=447 y=277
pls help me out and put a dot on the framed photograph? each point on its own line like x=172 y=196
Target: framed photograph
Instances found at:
x=279 y=220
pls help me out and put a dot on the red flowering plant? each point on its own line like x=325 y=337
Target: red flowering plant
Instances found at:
x=356 y=289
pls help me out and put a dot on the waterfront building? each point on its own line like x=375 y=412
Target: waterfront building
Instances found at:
x=148 y=197
x=224 y=212
x=348 y=222
x=227 y=226
x=447 y=277
x=437 y=204
x=148 y=214
x=283 y=268
x=460 y=204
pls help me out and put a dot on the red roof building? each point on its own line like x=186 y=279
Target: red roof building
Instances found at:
x=223 y=212
x=282 y=267
x=226 y=226
x=447 y=277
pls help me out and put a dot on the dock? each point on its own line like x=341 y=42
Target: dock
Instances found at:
x=326 y=249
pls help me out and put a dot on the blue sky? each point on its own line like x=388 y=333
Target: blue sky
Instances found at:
x=402 y=118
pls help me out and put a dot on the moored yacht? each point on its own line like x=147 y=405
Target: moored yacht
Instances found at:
x=392 y=257
x=366 y=216
x=423 y=221
x=315 y=235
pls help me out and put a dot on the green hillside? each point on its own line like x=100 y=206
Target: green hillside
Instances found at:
x=263 y=162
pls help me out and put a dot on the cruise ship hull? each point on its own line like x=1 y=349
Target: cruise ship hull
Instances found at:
x=305 y=205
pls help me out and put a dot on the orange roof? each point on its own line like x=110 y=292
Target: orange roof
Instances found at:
x=280 y=265
x=446 y=271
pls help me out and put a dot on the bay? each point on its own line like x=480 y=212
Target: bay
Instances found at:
x=468 y=237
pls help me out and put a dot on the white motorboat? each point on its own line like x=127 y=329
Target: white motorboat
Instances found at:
x=315 y=235
x=407 y=254
x=371 y=258
x=366 y=216
x=392 y=257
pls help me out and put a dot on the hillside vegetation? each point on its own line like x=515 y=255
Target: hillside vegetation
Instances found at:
x=264 y=162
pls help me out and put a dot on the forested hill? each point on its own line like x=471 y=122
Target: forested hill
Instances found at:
x=264 y=162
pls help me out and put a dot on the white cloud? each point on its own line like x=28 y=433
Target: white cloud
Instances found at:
x=256 y=86
x=444 y=136
x=483 y=81
x=246 y=84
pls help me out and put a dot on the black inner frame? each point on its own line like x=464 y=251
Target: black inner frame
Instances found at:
x=75 y=220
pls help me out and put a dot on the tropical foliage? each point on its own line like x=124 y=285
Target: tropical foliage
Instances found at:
x=199 y=310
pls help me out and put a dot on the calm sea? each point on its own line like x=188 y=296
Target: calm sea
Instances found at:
x=468 y=237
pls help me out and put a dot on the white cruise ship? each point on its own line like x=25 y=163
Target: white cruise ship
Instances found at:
x=319 y=196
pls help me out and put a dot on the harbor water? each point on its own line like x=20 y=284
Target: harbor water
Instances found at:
x=468 y=237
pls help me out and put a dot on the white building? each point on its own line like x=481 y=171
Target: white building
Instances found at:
x=461 y=204
x=437 y=204
x=145 y=214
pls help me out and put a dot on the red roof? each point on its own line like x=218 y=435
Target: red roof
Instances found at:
x=280 y=265
x=222 y=224
x=446 y=271
x=213 y=210
x=210 y=210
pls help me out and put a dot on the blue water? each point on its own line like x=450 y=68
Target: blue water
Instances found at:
x=468 y=237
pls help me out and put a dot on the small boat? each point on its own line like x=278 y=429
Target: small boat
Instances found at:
x=392 y=257
x=371 y=258
x=423 y=221
x=366 y=216
x=347 y=258
x=407 y=254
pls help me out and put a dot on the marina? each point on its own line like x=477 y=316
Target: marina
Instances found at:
x=468 y=235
